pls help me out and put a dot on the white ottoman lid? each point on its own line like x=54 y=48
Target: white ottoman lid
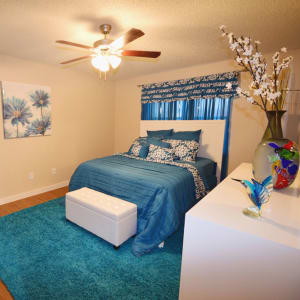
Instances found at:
x=109 y=206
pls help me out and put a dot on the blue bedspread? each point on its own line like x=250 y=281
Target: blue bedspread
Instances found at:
x=162 y=193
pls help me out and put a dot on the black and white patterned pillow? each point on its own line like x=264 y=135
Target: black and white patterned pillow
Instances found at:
x=184 y=149
x=135 y=149
x=157 y=153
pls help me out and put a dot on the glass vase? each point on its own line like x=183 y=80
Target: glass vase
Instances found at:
x=276 y=155
x=274 y=128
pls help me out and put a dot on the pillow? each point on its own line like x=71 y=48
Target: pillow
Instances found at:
x=146 y=141
x=186 y=135
x=160 y=133
x=138 y=150
x=184 y=150
x=157 y=153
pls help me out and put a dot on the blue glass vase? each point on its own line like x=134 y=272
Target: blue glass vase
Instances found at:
x=276 y=155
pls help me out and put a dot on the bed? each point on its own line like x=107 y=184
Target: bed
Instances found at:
x=163 y=192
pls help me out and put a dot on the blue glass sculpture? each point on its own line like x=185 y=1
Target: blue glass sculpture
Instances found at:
x=259 y=193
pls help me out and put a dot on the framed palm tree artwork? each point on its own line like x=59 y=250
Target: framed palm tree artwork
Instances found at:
x=26 y=109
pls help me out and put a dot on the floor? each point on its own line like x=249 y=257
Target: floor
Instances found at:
x=15 y=206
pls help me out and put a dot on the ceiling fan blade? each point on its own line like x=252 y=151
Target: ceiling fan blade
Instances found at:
x=75 y=59
x=125 y=39
x=74 y=44
x=151 y=54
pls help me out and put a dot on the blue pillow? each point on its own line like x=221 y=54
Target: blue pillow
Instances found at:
x=146 y=141
x=144 y=151
x=160 y=133
x=138 y=150
x=186 y=135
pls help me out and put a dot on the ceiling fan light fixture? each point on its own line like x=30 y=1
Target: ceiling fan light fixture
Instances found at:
x=107 y=53
x=114 y=61
x=100 y=63
x=102 y=45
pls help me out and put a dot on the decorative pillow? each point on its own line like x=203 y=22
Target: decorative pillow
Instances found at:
x=138 y=150
x=160 y=133
x=146 y=141
x=184 y=150
x=186 y=135
x=159 y=153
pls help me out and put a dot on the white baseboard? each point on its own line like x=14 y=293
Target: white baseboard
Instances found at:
x=33 y=192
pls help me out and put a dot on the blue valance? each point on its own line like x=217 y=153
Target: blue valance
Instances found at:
x=205 y=87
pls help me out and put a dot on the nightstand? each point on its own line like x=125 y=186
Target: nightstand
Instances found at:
x=227 y=255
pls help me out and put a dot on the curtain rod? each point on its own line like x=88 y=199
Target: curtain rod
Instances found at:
x=238 y=71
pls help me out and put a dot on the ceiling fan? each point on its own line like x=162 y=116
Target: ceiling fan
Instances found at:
x=107 y=52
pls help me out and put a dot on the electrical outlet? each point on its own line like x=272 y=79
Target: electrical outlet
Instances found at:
x=53 y=171
x=30 y=175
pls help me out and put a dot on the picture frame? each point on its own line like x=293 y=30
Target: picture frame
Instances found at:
x=26 y=110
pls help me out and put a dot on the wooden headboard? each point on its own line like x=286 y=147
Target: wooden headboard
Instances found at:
x=211 y=137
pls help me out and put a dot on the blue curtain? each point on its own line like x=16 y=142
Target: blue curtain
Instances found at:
x=204 y=87
x=198 y=98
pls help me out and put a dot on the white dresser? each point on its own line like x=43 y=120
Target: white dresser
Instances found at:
x=227 y=255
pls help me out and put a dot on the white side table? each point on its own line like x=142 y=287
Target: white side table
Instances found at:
x=227 y=255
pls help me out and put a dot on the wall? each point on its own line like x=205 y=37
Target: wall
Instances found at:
x=291 y=120
x=82 y=127
x=247 y=125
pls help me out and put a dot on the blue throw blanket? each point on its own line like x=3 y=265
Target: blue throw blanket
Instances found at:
x=162 y=193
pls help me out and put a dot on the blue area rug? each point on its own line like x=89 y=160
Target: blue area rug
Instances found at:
x=43 y=256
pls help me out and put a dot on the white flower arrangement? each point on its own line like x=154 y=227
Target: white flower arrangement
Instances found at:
x=265 y=91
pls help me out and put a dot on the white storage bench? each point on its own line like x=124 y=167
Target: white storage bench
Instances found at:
x=110 y=218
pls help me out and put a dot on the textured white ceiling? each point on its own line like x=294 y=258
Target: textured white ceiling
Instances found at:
x=186 y=32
